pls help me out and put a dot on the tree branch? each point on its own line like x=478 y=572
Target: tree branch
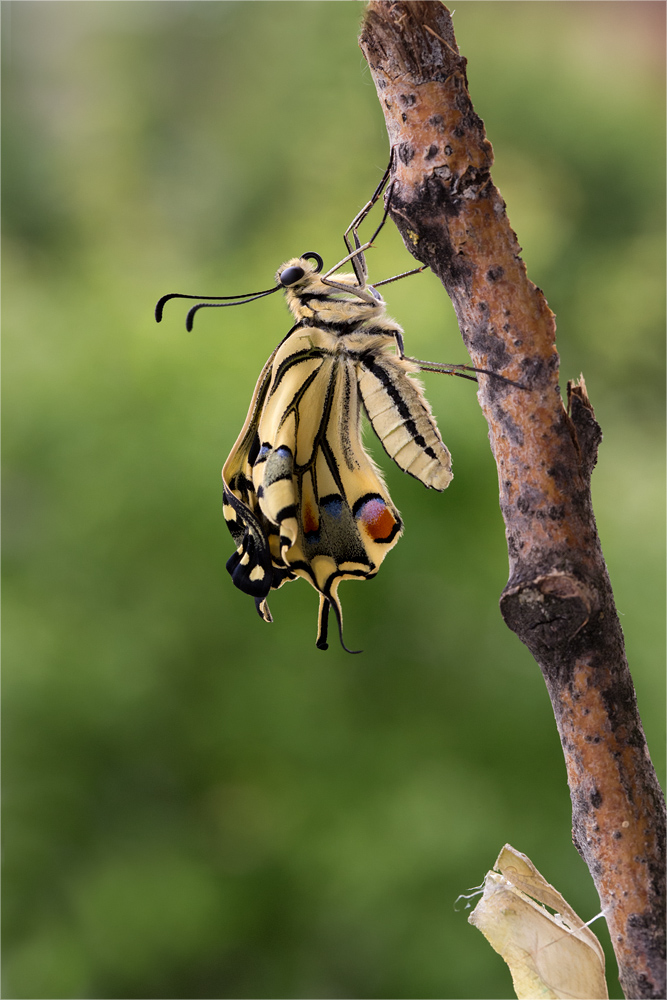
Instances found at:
x=558 y=598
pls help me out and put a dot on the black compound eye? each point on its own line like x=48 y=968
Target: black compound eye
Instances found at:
x=290 y=275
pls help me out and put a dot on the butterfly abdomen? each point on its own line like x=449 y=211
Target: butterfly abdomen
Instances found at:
x=402 y=418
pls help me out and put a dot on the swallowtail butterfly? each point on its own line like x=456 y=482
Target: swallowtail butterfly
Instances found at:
x=301 y=496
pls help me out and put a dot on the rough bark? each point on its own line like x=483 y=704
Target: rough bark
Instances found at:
x=558 y=598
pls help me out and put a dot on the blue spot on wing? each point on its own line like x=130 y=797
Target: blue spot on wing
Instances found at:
x=332 y=505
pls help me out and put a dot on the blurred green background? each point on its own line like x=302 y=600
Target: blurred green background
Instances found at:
x=198 y=804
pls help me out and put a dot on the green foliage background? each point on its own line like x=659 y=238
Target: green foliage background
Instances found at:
x=198 y=804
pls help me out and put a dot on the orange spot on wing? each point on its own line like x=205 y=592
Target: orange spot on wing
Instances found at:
x=310 y=520
x=377 y=519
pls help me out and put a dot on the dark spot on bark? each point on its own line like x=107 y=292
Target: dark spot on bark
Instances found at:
x=459 y=132
x=404 y=117
x=431 y=152
x=448 y=150
x=407 y=100
x=483 y=307
x=619 y=702
x=596 y=868
x=617 y=835
x=475 y=179
x=444 y=173
x=388 y=104
x=483 y=339
x=436 y=121
x=517 y=343
x=596 y=799
x=646 y=934
x=405 y=152
x=432 y=198
x=644 y=988
x=536 y=370
x=494 y=273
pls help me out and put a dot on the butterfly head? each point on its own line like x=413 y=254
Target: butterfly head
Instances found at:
x=300 y=272
x=334 y=298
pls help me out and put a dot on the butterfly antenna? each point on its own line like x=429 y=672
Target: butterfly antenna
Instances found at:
x=220 y=300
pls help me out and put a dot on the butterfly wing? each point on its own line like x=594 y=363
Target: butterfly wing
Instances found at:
x=305 y=480
x=402 y=418
x=250 y=566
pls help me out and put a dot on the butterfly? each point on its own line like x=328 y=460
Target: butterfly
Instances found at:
x=301 y=495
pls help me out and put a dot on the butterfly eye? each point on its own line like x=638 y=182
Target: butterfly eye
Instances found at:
x=290 y=275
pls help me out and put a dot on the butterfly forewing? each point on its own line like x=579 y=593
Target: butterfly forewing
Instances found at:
x=251 y=565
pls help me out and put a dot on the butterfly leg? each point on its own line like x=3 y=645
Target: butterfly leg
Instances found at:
x=447 y=369
x=459 y=370
x=357 y=256
x=354 y=245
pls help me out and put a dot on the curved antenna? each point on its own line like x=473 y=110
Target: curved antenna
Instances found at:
x=230 y=300
x=311 y=255
x=189 y=319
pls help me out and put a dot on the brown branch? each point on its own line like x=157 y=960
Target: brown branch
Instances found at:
x=558 y=599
